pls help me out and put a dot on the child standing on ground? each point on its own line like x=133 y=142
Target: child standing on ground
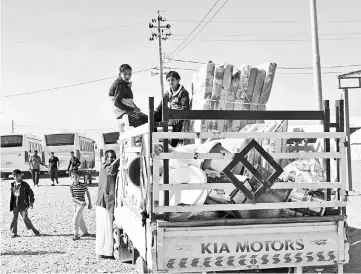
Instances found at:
x=22 y=198
x=78 y=190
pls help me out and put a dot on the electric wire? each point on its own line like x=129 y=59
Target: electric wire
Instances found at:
x=68 y=86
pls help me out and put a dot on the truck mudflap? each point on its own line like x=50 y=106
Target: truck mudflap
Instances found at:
x=220 y=248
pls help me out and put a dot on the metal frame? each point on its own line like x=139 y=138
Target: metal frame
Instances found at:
x=350 y=75
x=247 y=115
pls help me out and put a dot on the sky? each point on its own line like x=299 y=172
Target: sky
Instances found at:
x=47 y=44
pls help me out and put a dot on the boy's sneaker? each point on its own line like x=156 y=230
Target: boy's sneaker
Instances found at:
x=36 y=232
x=85 y=234
x=52 y=184
x=14 y=235
x=76 y=237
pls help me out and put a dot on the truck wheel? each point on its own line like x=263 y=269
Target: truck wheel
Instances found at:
x=141 y=266
x=116 y=242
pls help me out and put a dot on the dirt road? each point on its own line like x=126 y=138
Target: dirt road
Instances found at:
x=54 y=251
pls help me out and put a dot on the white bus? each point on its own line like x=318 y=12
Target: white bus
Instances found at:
x=108 y=140
x=65 y=142
x=16 y=149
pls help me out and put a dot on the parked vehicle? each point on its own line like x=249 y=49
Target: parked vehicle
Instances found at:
x=65 y=142
x=108 y=140
x=16 y=150
x=147 y=233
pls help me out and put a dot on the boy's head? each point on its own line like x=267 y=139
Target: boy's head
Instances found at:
x=125 y=72
x=17 y=175
x=173 y=79
x=110 y=156
x=75 y=177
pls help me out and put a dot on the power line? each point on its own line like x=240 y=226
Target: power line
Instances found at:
x=68 y=86
x=267 y=21
x=206 y=24
x=269 y=35
x=270 y=40
x=200 y=22
x=67 y=33
x=308 y=67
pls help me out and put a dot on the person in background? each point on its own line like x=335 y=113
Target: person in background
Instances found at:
x=178 y=98
x=34 y=163
x=22 y=198
x=121 y=96
x=74 y=163
x=54 y=165
x=78 y=190
x=105 y=205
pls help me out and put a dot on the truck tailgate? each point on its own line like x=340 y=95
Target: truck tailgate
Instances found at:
x=213 y=248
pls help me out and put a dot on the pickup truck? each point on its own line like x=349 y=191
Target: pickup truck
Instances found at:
x=148 y=234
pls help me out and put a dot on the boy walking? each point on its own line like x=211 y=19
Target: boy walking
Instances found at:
x=74 y=163
x=78 y=190
x=53 y=168
x=121 y=95
x=34 y=163
x=22 y=197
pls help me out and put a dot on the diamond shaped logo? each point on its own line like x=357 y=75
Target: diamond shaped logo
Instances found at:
x=266 y=183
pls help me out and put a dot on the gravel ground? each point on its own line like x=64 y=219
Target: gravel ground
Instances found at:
x=54 y=251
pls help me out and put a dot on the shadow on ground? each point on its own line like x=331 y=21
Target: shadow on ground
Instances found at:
x=21 y=253
x=354 y=238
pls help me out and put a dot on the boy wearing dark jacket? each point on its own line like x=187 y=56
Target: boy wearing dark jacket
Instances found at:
x=178 y=98
x=22 y=198
x=121 y=95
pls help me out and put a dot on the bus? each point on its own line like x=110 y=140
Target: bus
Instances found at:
x=108 y=140
x=65 y=142
x=16 y=150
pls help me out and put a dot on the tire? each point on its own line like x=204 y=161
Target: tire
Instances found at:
x=116 y=242
x=141 y=266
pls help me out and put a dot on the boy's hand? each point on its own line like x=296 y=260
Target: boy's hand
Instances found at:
x=89 y=206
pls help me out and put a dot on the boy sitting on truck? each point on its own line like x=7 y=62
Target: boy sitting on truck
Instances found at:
x=121 y=95
x=178 y=98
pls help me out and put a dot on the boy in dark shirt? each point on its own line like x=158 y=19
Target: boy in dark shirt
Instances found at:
x=178 y=98
x=74 y=163
x=22 y=198
x=53 y=168
x=121 y=95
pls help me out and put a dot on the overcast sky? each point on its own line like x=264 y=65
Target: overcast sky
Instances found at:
x=53 y=43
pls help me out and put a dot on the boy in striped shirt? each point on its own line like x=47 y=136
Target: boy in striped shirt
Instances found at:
x=78 y=190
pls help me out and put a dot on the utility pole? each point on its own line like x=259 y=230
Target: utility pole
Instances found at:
x=316 y=55
x=163 y=33
x=12 y=126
